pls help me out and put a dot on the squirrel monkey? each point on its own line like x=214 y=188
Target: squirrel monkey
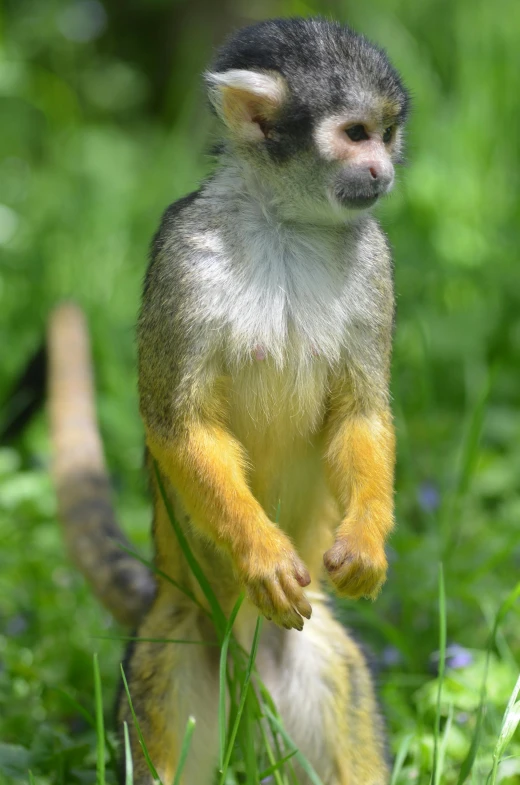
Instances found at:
x=264 y=351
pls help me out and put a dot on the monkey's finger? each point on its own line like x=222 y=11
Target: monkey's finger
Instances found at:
x=301 y=573
x=288 y=617
x=271 y=600
x=292 y=622
x=260 y=597
x=304 y=607
x=269 y=604
x=357 y=579
x=336 y=557
x=298 y=598
x=284 y=602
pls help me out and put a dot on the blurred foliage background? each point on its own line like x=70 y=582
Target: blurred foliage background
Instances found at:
x=103 y=123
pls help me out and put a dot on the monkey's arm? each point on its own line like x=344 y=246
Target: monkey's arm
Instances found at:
x=205 y=464
x=360 y=463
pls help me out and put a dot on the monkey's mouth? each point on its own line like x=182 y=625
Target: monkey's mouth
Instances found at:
x=358 y=202
x=354 y=201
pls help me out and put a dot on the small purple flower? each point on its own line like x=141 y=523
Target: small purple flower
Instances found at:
x=390 y=656
x=457 y=658
x=428 y=496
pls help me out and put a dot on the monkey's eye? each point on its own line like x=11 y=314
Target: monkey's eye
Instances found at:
x=388 y=133
x=357 y=133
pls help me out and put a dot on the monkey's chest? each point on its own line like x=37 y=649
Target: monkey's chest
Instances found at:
x=284 y=333
x=285 y=327
x=284 y=299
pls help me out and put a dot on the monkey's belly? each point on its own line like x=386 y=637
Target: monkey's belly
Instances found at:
x=288 y=479
x=277 y=416
x=294 y=493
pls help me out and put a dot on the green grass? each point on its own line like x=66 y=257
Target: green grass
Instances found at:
x=82 y=186
x=443 y=746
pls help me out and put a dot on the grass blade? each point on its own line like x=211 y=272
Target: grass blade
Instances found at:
x=270 y=754
x=400 y=758
x=278 y=765
x=444 y=745
x=302 y=760
x=267 y=705
x=434 y=780
x=222 y=680
x=469 y=760
x=162 y=574
x=243 y=696
x=129 y=638
x=509 y=725
x=218 y=615
x=149 y=763
x=129 y=764
x=188 y=733
x=466 y=464
x=246 y=737
x=100 y=725
x=87 y=716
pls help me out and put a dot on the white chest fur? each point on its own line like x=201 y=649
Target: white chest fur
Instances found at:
x=284 y=298
x=288 y=283
x=281 y=291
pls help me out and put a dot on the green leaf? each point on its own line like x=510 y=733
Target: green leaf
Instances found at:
x=14 y=760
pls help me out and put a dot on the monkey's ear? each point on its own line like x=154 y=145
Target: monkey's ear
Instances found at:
x=247 y=101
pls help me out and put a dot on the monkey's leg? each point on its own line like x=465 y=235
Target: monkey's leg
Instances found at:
x=168 y=683
x=322 y=687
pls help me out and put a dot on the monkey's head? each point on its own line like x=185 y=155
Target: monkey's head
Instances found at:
x=314 y=111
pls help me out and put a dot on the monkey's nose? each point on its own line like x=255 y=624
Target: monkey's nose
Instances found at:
x=377 y=175
x=375 y=170
x=361 y=185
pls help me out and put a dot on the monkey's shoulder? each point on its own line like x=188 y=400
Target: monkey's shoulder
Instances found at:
x=372 y=247
x=169 y=220
x=165 y=237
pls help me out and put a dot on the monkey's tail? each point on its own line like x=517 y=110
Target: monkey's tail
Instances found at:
x=124 y=585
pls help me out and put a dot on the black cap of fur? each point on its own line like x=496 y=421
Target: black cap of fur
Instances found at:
x=326 y=64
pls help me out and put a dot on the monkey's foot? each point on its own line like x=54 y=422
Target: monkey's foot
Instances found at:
x=356 y=569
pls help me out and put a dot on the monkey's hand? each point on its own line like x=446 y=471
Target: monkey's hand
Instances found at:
x=356 y=565
x=274 y=577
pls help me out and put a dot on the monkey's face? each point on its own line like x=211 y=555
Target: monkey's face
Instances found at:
x=361 y=148
x=316 y=112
